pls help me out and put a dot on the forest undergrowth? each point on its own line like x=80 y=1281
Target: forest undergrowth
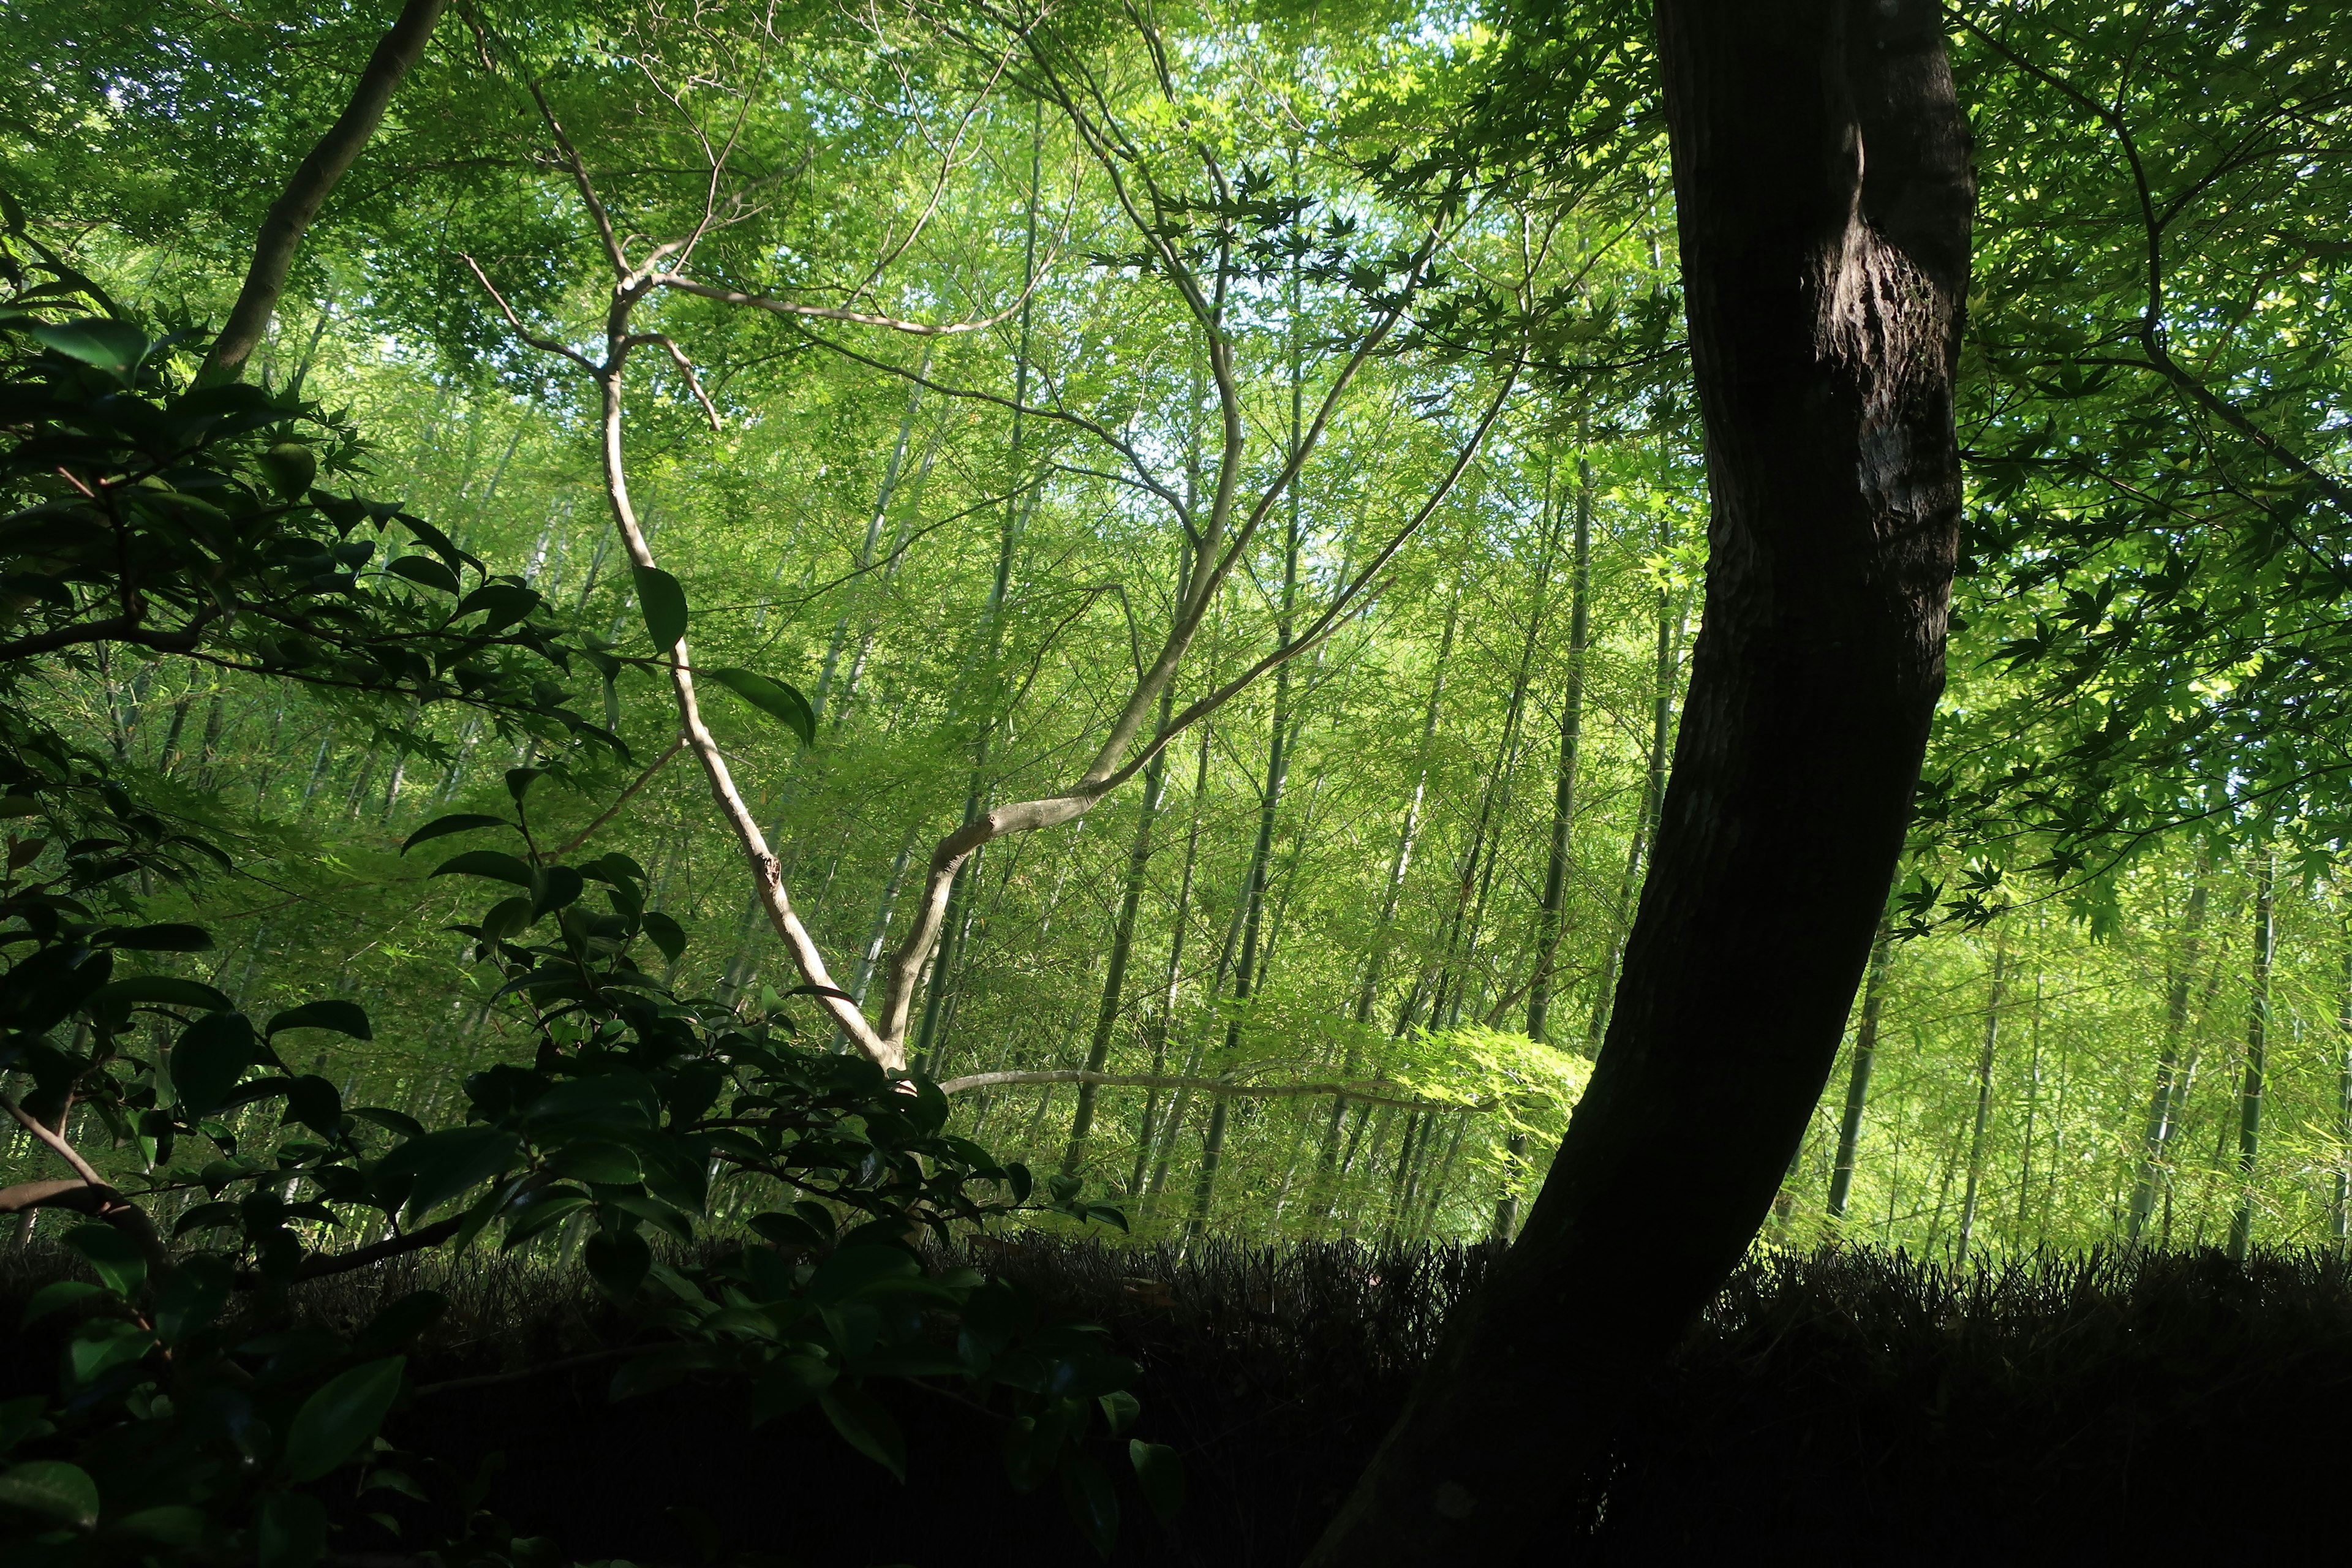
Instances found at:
x=2053 y=1406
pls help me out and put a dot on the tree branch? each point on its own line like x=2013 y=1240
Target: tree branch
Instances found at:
x=291 y=213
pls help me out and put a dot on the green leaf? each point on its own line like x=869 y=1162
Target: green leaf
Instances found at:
x=344 y=1017
x=671 y=1363
x=450 y=1162
x=490 y=863
x=1160 y=1468
x=316 y=1103
x=665 y=933
x=99 y=1346
x=193 y=1296
x=292 y=1532
x=788 y=1383
x=338 y=1421
x=781 y=702
x=857 y=1270
x=166 y=989
x=441 y=826
x=115 y=347
x=1119 y=1410
x=56 y=1295
x=865 y=1426
x=617 y=1262
x=1092 y=1503
x=24 y=1417
x=605 y=1163
x=426 y=570
x=120 y=1263
x=663 y=603
x=292 y=466
x=175 y=1524
x=210 y=1055
x=52 y=1488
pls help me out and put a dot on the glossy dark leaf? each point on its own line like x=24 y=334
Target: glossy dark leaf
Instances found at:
x=341 y=1418
x=865 y=1426
x=784 y=703
x=458 y=822
x=663 y=603
x=1160 y=1468
x=490 y=863
x=328 y=1012
x=210 y=1055
x=163 y=990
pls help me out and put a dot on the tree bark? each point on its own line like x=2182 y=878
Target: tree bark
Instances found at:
x=1824 y=193
x=291 y=213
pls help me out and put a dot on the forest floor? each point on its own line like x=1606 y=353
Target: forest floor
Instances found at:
x=2060 y=1407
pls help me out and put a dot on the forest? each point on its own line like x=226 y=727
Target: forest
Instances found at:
x=890 y=714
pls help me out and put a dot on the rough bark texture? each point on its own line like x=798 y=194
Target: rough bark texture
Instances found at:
x=291 y=213
x=1824 y=197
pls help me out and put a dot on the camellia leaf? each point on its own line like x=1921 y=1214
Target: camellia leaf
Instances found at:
x=1161 y=1470
x=120 y=1263
x=424 y=569
x=452 y=1161
x=338 y=1421
x=440 y=826
x=490 y=863
x=664 y=604
x=1091 y=1500
x=211 y=1054
x=52 y=1488
x=58 y=1294
x=114 y=347
x=168 y=990
x=344 y=1017
x=781 y=702
x=865 y=1426
x=293 y=1531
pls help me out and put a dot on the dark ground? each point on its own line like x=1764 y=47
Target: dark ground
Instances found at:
x=1838 y=1405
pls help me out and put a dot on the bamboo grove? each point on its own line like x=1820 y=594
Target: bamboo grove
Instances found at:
x=939 y=443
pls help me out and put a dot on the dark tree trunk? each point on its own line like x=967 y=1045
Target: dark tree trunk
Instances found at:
x=1823 y=195
x=291 y=215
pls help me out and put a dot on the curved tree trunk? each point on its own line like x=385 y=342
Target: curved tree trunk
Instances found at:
x=1821 y=178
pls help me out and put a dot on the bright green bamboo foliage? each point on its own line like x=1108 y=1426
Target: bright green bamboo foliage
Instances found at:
x=2258 y=1033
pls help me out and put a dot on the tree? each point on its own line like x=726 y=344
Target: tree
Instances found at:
x=1823 y=199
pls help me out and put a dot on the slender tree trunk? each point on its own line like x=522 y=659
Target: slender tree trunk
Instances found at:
x=1122 y=940
x=2258 y=1031
x=1165 y=1020
x=2163 y=1105
x=1857 y=1083
x=1825 y=293
x=1666 y=665
x=930 y=1046
x=1384 y=930
x=1552 y=913
x=291 y=213
x=1984 y=1109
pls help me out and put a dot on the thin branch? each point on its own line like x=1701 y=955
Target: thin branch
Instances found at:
x=626 y=795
